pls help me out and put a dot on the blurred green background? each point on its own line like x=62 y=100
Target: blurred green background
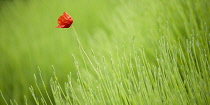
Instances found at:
x=29 y=39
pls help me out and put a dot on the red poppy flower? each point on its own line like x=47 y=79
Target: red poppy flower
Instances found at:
x=64 y=21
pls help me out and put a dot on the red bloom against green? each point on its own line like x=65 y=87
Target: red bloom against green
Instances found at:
x=64 y=21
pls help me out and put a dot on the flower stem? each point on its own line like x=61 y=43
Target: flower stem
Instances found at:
x=81 y=48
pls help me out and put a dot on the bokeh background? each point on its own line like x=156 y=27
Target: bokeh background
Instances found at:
x=29 y=39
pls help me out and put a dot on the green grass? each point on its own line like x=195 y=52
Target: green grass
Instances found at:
x=133 y=52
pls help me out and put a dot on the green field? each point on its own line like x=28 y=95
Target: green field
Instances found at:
x=132 y=52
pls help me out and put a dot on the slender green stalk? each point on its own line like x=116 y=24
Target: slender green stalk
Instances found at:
x=3 y=98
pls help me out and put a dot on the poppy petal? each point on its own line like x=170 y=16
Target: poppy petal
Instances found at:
x=64 y=21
